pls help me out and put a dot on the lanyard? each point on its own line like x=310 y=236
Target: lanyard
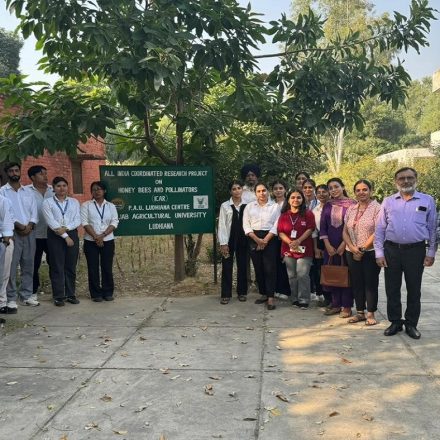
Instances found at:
x=293 y=222
x=63 y=211
x=358 y=217
x=100 y=213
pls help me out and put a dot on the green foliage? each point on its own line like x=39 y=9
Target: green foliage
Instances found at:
x=10 y=46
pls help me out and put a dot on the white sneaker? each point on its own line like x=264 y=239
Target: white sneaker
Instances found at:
x=276 y=295
x=34 y=297
x=11 y=304
x=283 y=297
x=29 y=302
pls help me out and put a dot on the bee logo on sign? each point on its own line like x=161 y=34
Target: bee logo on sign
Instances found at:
x=200 y=202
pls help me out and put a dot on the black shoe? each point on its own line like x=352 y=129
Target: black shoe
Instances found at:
x=97 y=300
x=4 y=310
x=260 y=300
x=296 y=304
x=242 y=298
x=72 y=300
x=271 y=307
x=2 y=321
x=108 y=298
x=412 y=332
x=393 y=329
x=11 y=310
x=304 y=306
x=58 y=302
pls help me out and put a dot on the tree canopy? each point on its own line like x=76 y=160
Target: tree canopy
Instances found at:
x=10 y=46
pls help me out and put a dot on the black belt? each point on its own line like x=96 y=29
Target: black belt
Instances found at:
x=406 y=245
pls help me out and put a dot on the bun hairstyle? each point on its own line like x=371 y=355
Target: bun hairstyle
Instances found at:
x=338 y=180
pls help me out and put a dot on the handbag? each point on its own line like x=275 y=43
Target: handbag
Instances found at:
x=335 y=275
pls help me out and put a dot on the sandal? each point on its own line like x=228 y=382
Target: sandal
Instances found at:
x=224 y=301
x=332 y=311
x=357 y=318
x=345 y=314
x=242 y=298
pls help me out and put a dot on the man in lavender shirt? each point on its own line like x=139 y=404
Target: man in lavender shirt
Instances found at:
x=404 y=242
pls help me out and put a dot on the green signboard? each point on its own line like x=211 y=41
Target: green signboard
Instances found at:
x=161 y=200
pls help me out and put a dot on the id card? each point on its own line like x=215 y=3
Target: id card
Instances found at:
x=293 y=234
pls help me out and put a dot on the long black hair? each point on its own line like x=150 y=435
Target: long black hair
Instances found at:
x=302 y=208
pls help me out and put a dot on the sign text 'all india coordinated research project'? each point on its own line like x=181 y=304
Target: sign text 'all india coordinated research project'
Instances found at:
x=161 y=200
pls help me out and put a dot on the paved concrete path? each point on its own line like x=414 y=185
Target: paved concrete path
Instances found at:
x=192 y=369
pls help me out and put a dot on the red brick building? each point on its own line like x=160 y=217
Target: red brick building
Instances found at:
x=79 y=171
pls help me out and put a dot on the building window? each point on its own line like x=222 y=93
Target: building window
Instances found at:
x=77 y=178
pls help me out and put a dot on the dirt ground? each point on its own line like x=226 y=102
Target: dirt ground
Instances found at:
x=144 y=266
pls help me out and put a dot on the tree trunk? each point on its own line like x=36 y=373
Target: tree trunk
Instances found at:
x=339 y=149
x=179 y=245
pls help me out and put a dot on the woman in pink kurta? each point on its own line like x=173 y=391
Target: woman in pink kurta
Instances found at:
x=331 y=228
x=360 y=223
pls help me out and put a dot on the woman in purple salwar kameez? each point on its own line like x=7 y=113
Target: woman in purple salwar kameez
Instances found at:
x=331 y=228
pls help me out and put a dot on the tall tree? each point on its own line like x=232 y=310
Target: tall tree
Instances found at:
x=156 y=62
x=10 y=46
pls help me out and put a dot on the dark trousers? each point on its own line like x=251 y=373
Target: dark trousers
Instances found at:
x=100 y=261
x=315 y=276
x=265 y=265
x=282 y=285
x=41 y=246
x=409 y=262
x=364 y=278
x=62 y=264
x=241 y=257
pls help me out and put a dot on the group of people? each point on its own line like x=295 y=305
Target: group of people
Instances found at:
x=39 y=219
x=289 y=235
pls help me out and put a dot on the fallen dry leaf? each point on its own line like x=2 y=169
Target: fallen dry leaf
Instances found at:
x=278 y=347
x=64 y=437
x=141 y=338
x=140 y=409
x=216 y=377
x=333 y=414
x=346 y=361
x=209 y=389
x=250 y=376
x=249 y=419
x=175 y=377
x=106 y=398
x=367 y=417
x=204 y=328
x=119 y=432
x=50 y=407
x=91 y=425
x=165 y=370
x=281 y=396
x=249 y=328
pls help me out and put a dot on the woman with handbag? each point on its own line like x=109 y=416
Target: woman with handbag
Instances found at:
x=331 y=229
x=233 y=242
x=295 y=227
x=360 y=223
x=259 y=224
